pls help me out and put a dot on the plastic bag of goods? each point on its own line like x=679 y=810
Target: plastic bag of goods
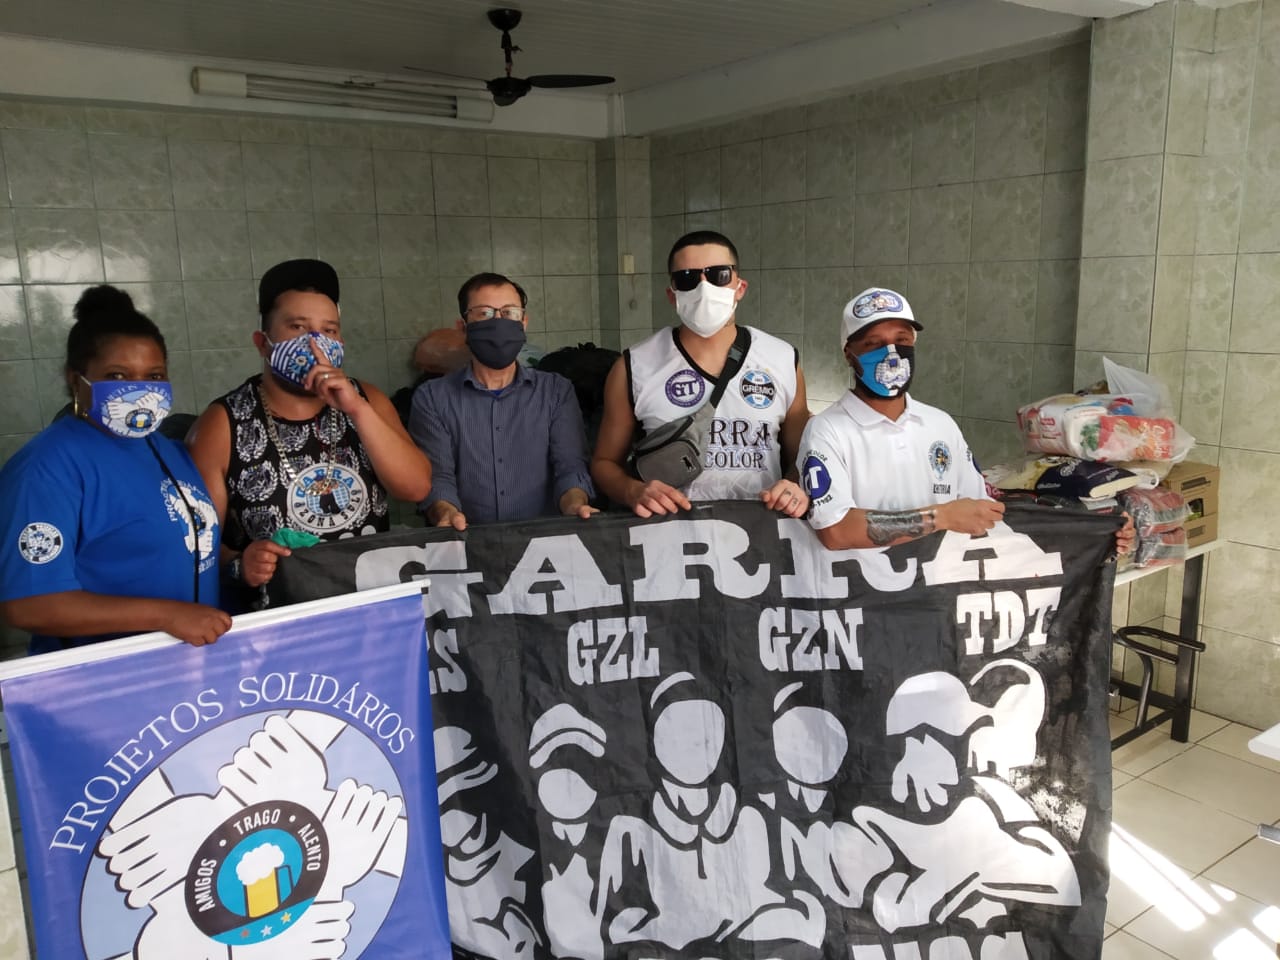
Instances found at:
x=1158 y=518
x=1102 y=427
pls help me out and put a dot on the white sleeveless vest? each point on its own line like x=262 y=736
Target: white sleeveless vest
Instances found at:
x=744 y=452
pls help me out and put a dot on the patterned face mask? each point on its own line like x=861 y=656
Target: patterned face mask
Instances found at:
x=129 y=408
x=886 y=371
x=292 y=360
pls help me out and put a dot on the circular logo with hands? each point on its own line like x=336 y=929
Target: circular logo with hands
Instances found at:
x=272 y=854
x=257 y=872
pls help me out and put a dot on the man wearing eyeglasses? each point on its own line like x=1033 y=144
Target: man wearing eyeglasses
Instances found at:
x=506 y=442
x=749 y=447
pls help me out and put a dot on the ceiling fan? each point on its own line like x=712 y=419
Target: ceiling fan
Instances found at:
x=507 y=89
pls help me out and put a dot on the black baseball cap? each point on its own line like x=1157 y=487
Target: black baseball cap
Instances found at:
x=296 y=275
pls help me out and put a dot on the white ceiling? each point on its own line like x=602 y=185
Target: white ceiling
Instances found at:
x=641 y=42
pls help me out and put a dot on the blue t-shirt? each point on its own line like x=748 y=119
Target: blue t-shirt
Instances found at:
x=87 y=511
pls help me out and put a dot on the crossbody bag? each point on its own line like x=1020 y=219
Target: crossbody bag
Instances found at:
x=673 y=452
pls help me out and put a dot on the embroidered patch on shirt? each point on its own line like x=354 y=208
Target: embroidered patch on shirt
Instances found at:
x=39 y=542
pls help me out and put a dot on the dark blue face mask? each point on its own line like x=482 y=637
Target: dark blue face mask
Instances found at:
x=886 y=371
x=496 y=342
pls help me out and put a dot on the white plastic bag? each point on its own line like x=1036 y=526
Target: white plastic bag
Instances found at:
x=1150 y=397
x=1102 y=427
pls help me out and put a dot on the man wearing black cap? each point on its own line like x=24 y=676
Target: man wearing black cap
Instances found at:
x=301 y=446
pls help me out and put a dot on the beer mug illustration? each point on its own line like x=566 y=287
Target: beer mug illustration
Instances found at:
x=267 y=881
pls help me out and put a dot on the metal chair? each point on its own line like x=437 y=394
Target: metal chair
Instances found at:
x=1176 y=707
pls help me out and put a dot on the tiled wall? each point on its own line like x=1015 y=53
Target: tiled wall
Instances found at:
x=185 y=211
x=1149 y=85
x=962 y=191
x=624 y=204
x=1232 y=381
x=1181 y=276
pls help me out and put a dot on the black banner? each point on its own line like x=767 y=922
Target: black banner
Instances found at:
x=707 y=736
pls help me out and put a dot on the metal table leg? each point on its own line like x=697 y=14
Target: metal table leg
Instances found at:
x=1189 y=628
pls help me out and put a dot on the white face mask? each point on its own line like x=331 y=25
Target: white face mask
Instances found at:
x=707 y=308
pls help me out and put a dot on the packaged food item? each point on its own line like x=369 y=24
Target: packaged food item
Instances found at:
x=1064 y=476
x=1102 y=427
x=1155 y=511
x=1159 y=550
x=1158 y=518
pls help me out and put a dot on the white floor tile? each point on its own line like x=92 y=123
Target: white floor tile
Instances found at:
x=1147 y=752
x=1213 y=924
x=1233 y=740
x=1125 y=946
x=1125 y=902
x=1118 y=779
x=1119 y=724
x=1108 y=929
x=1204 y=724
x=1253 y=870
x=1225 y=783
x=1188 y=833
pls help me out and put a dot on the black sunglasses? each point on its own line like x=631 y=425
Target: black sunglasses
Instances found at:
x=718 y=276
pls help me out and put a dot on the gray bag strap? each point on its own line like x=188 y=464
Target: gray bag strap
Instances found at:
x=732 y=364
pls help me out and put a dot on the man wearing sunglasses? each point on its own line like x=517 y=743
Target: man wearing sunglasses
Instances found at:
x=754 y=431
x=506 y=442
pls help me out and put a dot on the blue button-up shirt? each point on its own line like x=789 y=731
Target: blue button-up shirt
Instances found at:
x=505 y=456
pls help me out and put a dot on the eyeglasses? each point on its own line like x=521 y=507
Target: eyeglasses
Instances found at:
x=488 y=313
x=720 y=275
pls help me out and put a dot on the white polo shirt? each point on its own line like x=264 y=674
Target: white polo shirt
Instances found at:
x=853 y=457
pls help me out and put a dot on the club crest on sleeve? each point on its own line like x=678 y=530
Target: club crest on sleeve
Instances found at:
x=816 y=478
x=39 y=542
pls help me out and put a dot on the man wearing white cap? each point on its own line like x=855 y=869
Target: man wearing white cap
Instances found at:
x=879 y=467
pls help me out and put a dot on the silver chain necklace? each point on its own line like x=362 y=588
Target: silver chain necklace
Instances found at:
x=285 y=463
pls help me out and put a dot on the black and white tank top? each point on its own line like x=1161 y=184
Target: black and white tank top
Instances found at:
x=315 y=477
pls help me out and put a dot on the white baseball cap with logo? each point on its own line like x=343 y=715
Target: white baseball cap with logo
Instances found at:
x=871 y=306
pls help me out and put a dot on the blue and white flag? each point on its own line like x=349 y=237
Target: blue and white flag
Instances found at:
x=271 y=796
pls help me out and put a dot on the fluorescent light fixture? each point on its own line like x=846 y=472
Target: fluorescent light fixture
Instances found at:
x=395 y=96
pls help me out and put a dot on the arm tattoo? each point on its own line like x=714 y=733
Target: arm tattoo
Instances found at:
x=883 y=527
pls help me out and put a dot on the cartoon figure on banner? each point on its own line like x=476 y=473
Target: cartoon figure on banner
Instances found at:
x=961 y=819
x=697 y=874
x=263 y=866
x=561 y=744
x=810 y=746
x=482 y=872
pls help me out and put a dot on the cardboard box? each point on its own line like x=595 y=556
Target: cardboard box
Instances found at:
x=1198 y=484
x=1202 y=530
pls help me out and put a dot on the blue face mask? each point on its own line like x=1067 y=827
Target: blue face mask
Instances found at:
x=886 y=371
x=129 y=408
x=292 y=360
